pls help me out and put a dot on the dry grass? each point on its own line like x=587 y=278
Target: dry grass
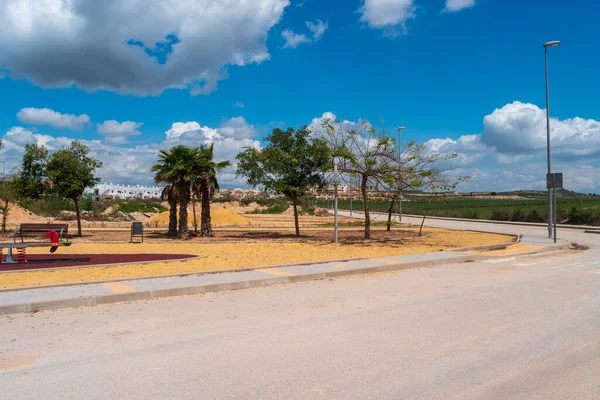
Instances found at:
x=243 y=255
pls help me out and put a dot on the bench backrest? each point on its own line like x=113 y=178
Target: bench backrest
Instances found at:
x=42 y=228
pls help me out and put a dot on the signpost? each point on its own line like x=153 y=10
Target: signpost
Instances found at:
x=554 y=181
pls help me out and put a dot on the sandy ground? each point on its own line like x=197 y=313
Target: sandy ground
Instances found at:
x=242 y=255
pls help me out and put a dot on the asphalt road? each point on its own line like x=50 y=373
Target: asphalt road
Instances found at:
x=519 y=328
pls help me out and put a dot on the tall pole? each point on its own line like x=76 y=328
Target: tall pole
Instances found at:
x=335 y=210
x=400 y=129
x=555 y=216
x=550 y=212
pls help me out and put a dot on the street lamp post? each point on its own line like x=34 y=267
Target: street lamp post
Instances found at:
x=400 y=129
x=550 y=202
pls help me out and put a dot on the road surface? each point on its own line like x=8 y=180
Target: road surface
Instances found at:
x=517 y=328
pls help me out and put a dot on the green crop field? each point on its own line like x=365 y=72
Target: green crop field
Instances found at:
x=580 y=210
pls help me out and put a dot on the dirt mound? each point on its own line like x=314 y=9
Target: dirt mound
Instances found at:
x=18 y=215
x=219 y=217
x=237 y=206
x=317 y=211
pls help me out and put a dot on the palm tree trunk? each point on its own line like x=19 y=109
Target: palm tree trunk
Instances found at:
x=183 y=217
x=172 y=218
x=205 y=227
x=194 y=212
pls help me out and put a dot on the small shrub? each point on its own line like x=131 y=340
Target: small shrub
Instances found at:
x=535 y=216
x=517 y=215
x=499 y=215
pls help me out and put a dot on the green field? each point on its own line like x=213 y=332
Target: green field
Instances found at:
x=579 y=211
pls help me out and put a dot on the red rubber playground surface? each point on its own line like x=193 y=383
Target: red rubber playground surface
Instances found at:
x=50 y=261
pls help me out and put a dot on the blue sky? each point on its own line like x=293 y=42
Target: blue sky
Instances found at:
x=438 y=67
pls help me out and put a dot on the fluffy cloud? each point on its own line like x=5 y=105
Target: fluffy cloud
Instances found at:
x=128 y=47
x=499 y=158
x=45 y=116
x=317 y=28
x=510 y=153
x=520 y=128
x=293 y=40
x=131 y=165
x=387 y=14
x=457 y=5
x=115 y=132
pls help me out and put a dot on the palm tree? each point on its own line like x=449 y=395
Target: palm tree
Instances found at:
x=175 y=167
x=206 y=183
x=170 y=194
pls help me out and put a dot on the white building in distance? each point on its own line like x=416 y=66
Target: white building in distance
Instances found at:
x=125 y=191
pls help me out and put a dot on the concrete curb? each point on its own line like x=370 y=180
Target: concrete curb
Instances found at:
x=241 y=269
x=90 y=301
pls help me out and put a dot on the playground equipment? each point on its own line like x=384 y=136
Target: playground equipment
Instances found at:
x=50 y=231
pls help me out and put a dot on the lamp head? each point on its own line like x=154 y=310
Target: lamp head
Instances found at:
x=555 y=43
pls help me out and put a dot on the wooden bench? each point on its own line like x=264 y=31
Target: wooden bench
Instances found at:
x=40 y=230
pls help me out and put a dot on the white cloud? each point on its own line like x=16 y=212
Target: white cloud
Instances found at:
x=131 y=165
x=128 y=47
x=457 y=5
x=510 y=153
x=388 y=14
x=115 y=132
x=520 y=128
x=498 y=159
x=237 y=127
x=46 y=116
x=293 y=40
x=317 y=28
x=238 y=104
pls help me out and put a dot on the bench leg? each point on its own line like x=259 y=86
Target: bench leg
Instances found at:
x=9 y=257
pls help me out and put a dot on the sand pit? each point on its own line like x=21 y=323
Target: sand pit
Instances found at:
x=219 y=217
x=237 y=255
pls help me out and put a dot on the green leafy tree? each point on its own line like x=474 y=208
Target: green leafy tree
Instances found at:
x=292 y=164
x=363 y=154
x=70 y=171
x=206 y=183
x=29 y=180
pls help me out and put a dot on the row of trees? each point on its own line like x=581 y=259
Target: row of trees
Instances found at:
x=65 y=173
x=295 y=162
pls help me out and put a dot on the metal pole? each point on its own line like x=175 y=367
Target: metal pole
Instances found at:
x=555 y=217
x=400 y=129
x=550 y=213
x=335 y=212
